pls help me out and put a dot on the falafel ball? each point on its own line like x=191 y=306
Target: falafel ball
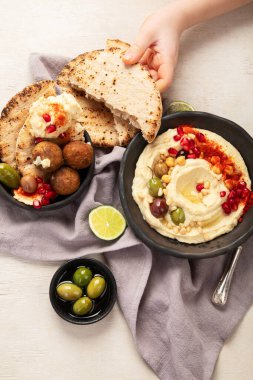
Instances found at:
x=48 y=156
x=65 y=181
x=78 y=155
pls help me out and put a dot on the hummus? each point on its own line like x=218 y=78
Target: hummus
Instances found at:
x=209 y=184
x=61 y=112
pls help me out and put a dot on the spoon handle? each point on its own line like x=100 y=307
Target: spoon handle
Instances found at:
x=220 y=294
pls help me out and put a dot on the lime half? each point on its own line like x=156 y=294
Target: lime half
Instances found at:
x=179 y=106
x=106 y=222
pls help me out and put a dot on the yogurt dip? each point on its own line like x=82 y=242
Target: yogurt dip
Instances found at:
x=191 y=185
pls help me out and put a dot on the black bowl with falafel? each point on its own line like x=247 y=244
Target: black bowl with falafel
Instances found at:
x=67 y=170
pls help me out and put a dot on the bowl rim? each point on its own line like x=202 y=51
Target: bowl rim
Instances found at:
x=62 y=203
x=84 y=261
x=138 y=231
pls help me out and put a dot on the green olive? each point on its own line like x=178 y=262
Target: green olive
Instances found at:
x=82 y=276
x=178 y=216
x=96 y=287
x=68 y=291
x=9 y=176
x=160 y=169
x=82 y=306
x=154 y=185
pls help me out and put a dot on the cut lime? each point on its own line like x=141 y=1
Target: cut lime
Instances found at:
x=179 y=106
x=106 y=222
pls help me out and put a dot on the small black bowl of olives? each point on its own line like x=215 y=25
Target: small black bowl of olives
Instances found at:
x=83 y=291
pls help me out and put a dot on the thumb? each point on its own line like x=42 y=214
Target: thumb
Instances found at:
x=136 y=50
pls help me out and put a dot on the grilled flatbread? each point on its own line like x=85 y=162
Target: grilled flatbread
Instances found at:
x=15 y=114
x=99 y=121
x=117 y=44
x=129 y=92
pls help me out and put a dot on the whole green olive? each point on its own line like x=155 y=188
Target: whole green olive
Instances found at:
x=9 y=176
x=154 y=185
x=82 y=306
x=160 y=169
x=178 y=216
x=96 y=287
x=82 y=276
x=68 y=291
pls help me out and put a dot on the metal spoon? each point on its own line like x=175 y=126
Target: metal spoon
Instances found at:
x=220 y=294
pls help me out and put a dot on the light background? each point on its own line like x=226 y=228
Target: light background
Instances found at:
x=215 y=74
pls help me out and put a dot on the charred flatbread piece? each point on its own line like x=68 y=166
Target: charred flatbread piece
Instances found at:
x=128 y=91
x=99 y=122
x=15 y=114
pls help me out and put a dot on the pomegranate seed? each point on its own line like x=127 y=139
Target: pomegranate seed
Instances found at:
x=196 y=151
x=51 y=128
x=191 y=155
x=223 y=194
x=41 y=190
x=239 y=192
x=46 y=117
x=36 y=204
x=39 y=180
x=200 y=187
x=201 y=137
x=63 y=135
x=184 y=141
x=226 y=208
x=241 y=185
x=38 y=140
x=191 y=143
x=177 y=137
x=47 y=186
x=232 y=201
x=45 y=201
x=232 y=194
x=50 y=194
x=234 y=206
x=172 y=151
x=185 y=144
x=245 y=193
x=180 y=130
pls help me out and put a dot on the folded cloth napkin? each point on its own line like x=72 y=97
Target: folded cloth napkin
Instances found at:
x=166 y=301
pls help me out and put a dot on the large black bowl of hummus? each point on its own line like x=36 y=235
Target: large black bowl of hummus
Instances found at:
x=188 y=193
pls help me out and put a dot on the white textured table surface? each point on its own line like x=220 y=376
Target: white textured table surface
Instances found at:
x=215 y=74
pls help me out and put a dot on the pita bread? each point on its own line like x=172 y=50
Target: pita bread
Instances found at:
x=15 y=114
x=99 y=122
x=125 y=130
x=124 y=46
x=129 y=91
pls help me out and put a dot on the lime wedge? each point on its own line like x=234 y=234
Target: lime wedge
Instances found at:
x=106 y=222
x=179 y=106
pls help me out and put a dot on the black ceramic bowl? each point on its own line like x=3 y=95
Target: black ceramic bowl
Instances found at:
x=222 y=244
x=61 y=201
x=103 y=305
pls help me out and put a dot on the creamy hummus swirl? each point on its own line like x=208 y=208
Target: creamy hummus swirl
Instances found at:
x=204 y=215
x=64 y=111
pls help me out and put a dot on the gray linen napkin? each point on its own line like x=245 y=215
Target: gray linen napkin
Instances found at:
x=166 y=301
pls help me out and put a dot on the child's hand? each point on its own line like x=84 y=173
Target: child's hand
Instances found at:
x=156 y=46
